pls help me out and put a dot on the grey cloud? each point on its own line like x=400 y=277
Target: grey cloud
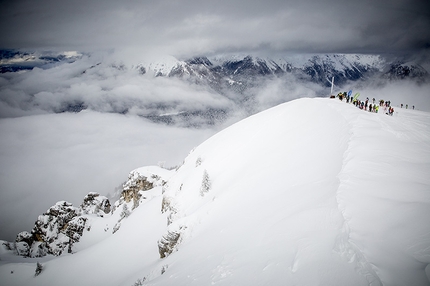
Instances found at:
x=189 y=27
x=105 y=87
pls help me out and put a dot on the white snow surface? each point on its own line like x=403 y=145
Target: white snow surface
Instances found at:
x=311 y=192
x=160 y=65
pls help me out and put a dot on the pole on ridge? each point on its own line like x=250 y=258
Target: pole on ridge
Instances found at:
x=331 y=91
x=332 y=84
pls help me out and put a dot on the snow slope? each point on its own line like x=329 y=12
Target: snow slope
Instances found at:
x=311 y=192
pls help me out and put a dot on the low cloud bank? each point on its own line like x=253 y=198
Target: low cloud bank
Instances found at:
x=103 y=87
x=97 y=84
x=53 y=157
x=47 y=156
x=400 y=92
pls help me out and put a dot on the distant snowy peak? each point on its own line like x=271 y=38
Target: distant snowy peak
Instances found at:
x=220 y=70
x=321 y=68
x=337 y=61
x=160 y=66
x=318 y=68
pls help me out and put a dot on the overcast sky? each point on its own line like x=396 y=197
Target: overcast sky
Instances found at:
x=189 y=27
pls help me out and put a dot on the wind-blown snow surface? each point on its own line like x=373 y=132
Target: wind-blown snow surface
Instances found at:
x=311 y=192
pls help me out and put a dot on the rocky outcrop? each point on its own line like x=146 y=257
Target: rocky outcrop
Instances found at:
x=132 y=193
x=24 y=236
x=96 y=204
x=22 y=243
x=135 y=183
x=62 y=225
x=53 y=230
x=168 y=205
x=168 y=242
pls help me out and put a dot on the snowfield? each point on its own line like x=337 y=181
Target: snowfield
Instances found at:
x=310 y=192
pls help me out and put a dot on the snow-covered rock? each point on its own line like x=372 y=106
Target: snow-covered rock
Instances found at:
x=51 y=231
x=60 y=227
x=95 y=204
x=139 y=181
x=23 y=242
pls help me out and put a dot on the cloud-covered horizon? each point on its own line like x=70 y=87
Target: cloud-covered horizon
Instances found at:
x=104 y=84
x=190 y=27
x=103 y=87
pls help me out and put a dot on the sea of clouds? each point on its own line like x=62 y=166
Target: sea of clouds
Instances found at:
x=47 y=155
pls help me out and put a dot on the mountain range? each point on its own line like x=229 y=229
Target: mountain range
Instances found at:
x=238 y=72
x=236 y=79
x=239 y=77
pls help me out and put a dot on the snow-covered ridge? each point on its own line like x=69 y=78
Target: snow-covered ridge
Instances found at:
x=311 y=192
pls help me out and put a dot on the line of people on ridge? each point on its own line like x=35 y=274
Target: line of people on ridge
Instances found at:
x=401 y=106
x=365 y=105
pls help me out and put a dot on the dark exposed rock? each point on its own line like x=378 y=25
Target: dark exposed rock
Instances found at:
x=199 y=61
x=400 y=71
x=24 y=236
x=142 y=70
x=39 y=269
